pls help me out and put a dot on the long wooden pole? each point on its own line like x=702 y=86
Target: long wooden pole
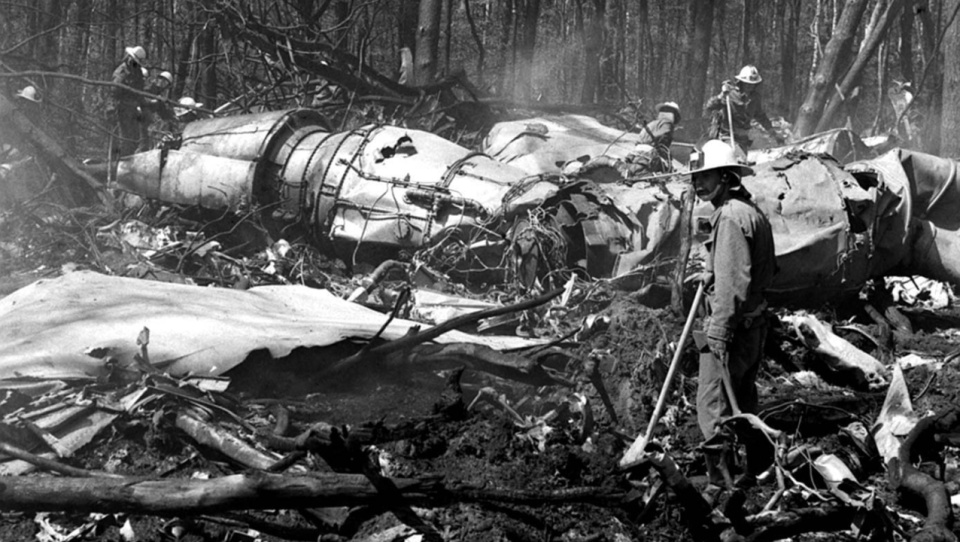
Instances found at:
x=640 y=444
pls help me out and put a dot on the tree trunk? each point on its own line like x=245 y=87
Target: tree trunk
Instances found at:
x=950 y=123
x=428 y=38
x=831 y=113
x=746 y=22
x=837 y=50
x=644 y=48
x=788 y=57
x=526 y=45
x=934 y=84
x=481 y=51
x=506 y=52
x=592 y=47
x=209 y=56
x=447 y=38
x=906 y=45
x=341 y=15
x=698 y=60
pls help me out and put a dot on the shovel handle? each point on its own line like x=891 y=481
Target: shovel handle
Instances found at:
x=733 y=142
x=640 y=444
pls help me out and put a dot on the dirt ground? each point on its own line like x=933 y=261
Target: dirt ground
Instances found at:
x=629 y=345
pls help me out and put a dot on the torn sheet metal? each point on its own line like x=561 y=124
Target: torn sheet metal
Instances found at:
x=543 y=145
x=917 y=210
x=72 y=326
x=843 y=359
x=842 y=144
x=436 y=307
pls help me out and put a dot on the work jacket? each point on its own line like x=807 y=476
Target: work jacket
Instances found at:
x=658 y=132
x=741 y=264
x=744 y=107
x=131 y=76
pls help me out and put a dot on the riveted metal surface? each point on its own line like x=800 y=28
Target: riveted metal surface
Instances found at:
x=188 y=178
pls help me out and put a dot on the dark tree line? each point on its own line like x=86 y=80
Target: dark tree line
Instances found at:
x=825 y=63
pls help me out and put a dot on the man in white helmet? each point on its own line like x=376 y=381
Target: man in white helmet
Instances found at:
x=156 y=111
x=740 y=267
x=658 y=133
x=128 y=105
x=745 y=105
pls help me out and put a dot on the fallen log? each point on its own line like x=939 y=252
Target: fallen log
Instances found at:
x=258 y=491
x=770 y=526
x=904 y=477
x=48 y=148
x=230 y=445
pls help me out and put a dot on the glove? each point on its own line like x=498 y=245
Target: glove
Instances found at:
x=702 y=276
x=727 y=87
x=717 y=347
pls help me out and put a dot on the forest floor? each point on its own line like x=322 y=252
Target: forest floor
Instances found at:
x=559 y=449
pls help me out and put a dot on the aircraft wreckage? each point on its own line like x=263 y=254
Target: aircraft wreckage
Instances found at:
x=519 y=211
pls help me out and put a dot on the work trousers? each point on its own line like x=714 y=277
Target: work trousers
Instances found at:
x=129 y=123
x=745 y=350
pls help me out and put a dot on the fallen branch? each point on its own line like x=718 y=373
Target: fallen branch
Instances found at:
x=258 y=491
x=225 y=442
x=903 y=476
x=788 y=523
x=48 y=148
x=416 y=337
x=50 y=465
x=478 y=357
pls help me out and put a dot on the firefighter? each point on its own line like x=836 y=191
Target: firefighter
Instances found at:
x=741 y=100
x=128 y=106
x=658 y=133
x=740 y=267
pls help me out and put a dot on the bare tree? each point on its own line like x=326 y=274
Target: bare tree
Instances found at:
x=851 y=80
x=834 y=57
x=593 y=37
x=950 y=123
x=698 y=60
x=428 y=40
x=526 y=45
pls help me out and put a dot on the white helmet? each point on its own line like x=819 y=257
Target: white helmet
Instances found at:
x=717 y=154
x=167 y=76
x=671 y=107
x=749 y=74
x=29 y=93
x=137 y=53
x=188 y=103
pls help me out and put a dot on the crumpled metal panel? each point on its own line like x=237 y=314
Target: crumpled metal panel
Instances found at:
x=842 y=144
x=68 y=327
x=392 y=186
x=188 y=178
x=542 y=145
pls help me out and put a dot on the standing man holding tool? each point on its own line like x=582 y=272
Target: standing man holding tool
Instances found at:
x=128 y=105
x=737 y=104
x=740 y=267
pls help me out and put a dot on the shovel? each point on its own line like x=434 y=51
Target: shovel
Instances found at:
x=636 y=449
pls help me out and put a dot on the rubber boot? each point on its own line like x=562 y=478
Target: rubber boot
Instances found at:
x=718 y=466
x=759 y=457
